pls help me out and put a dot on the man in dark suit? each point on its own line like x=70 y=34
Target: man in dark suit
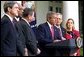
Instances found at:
x=21 y=39
x=31 y=42
x=59 y=30
x=8 y=31
x=47 y=34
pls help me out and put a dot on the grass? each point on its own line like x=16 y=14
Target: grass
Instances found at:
x=81 y=52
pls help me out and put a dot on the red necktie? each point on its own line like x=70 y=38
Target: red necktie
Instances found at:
x=52 y=32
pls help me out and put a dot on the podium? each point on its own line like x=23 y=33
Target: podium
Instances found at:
x=66 y=47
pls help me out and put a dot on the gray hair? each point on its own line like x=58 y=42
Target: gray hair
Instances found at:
x=59 y=14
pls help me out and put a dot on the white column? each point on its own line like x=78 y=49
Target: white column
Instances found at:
x=41 y=11
x=2 y=10
x=71 y=10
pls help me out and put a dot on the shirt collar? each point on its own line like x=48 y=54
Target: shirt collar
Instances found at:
x=58 y=26
x=49 y=25
x=26 y=21
x=17 y=19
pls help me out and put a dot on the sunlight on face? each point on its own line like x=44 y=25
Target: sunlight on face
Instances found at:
x=58 y=20
x=15 y=10
x=52 y=19
x=70 y=24
x=31 y=17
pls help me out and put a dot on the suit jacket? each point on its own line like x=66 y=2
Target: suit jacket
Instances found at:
x=21 y=38
x=45 y=38
x=31 y=42
x=8 y=37
x=57 y=35
x=44 y=34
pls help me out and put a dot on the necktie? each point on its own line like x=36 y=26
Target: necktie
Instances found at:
x=15 y=27
x=52 y=32
x=14 y=21
x=60 y=32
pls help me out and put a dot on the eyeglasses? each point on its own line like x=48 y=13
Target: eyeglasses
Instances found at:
x=52 y=17
x=16 y=7
x=59 y=18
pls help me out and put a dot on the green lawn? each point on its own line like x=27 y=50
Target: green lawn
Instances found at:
x=81 y=52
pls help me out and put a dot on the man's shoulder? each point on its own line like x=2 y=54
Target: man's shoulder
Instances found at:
x=43 y=24
x=63 y=28
x=5 y=20
x=22 y=22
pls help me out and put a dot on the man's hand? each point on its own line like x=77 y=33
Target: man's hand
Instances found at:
x=75 y=54
x=63 y=38
x=26 y=52
x=38 y=51
x=56 y=41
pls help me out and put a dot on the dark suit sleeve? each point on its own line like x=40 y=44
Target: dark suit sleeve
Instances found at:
x=4 y=31
x=20 y=48
x=42 y=37
x=30 y=41
x=20 y=40
x=19 y=45
x=63 y=31
x=8 y=38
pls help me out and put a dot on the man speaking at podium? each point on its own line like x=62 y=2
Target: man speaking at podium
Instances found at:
x=48 y=34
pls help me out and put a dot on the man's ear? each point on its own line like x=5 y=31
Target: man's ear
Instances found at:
x=9 y=9
x=61 y=20
x=29 y=16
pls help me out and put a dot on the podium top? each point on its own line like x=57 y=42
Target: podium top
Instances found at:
x=71 y=43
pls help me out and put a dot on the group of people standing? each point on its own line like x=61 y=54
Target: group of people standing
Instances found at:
x=52 y=32
x=18 y=38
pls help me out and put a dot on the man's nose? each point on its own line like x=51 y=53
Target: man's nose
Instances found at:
x=18 y=9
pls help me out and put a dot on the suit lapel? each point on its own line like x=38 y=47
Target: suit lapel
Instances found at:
x=57 y=36
x=48 y=30
x=30 y=30
x=61 y=30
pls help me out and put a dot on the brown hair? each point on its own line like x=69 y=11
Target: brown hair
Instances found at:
x=9 y=4
x=50 y=15
x=27 y=11
x=67 y=23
